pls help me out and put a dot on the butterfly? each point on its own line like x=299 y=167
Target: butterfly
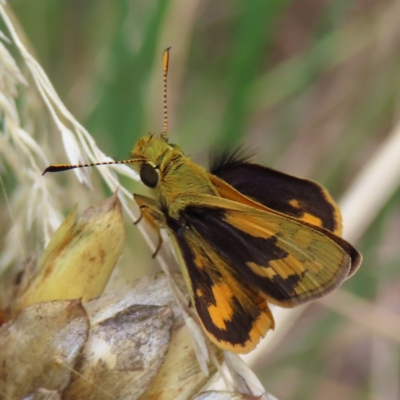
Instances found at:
x=245 y=235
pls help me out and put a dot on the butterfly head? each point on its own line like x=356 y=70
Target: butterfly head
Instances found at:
x=154 y=154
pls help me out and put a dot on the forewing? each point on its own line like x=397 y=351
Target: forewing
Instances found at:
x=299 y=198
x=228 y=192
x=290 y=263
x=232 y=313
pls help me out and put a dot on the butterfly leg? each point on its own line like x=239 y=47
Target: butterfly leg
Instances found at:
x=139 y=219
x=150 y=211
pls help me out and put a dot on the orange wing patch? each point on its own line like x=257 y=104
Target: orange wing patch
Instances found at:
x=234 y=315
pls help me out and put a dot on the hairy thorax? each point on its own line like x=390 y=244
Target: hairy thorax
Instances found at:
x=181 y=178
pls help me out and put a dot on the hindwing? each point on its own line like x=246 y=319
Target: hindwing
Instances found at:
x=234 y=315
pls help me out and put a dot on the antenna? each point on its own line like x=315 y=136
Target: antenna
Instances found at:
x=65 y=167
x=165 y=74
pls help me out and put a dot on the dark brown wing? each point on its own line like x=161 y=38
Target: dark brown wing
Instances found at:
x=290 y=263
x=299 y=198
x=233 y=314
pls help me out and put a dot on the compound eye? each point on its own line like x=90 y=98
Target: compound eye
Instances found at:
x=149 y=175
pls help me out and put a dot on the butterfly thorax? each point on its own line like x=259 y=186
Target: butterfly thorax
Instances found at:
x=177 y=174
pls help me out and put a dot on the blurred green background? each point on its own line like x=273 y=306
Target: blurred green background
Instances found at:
x=313 y=86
